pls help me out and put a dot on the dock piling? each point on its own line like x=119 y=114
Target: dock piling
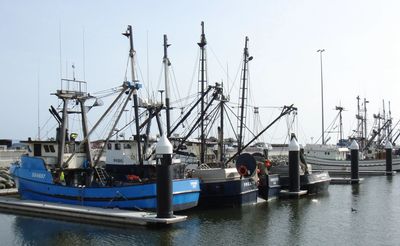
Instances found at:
x=164 y=178
x=294 y=172
x=355 y=179
x=389 y=149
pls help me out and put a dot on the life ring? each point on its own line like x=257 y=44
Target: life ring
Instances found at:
x=243 y=170
x=133 y=177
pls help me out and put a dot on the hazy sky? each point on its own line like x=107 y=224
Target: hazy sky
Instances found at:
x=361 y=39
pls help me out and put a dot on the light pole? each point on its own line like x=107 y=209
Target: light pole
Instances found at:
x=322 y=96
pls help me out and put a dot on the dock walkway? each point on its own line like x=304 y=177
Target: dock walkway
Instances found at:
x=93 y=215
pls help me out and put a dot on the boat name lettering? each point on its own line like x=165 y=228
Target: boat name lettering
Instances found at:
x=193 y=184
x=246 y=184
x=38 y=175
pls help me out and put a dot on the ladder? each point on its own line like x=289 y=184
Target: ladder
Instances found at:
x=102 y=175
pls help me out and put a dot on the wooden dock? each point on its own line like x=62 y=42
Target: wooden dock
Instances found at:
x=91 y=215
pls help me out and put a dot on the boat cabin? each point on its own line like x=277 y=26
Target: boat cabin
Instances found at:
x=330 y=152
x=48 y=151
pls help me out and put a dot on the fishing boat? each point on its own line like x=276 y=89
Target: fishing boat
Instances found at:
x=220 y=185
x=65 y=170
x=314 y=182
x=336 y=157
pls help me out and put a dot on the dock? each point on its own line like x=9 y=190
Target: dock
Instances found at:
x=91 y=215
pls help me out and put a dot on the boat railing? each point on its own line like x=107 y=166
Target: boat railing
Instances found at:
x=74 y=86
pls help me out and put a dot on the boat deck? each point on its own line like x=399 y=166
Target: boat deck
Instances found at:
x=91 y=215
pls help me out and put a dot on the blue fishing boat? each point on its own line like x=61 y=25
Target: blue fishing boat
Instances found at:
x=36 y=182
x=68 y=171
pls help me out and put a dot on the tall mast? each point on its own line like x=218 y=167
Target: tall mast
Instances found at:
x=167 y=63
x=62 y=130
x=221 y=129
x=243 y=96
x=202 y=46
x=340 y=108
x=132 y=53
x=365 y=121
x=322 y=97
x=85 y=130
x=389 y=137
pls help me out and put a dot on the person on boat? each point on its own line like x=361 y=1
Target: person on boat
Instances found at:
x=62 y=178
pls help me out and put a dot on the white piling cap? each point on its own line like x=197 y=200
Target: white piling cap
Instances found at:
x=164 y=146
x=354 y=145
x=388 y=145
x=294 y=146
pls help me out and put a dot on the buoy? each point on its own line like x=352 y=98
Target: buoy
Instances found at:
x=267 y=163
x=243 y=170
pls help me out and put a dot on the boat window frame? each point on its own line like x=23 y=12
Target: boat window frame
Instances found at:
x=52 y=149
x=46 y=148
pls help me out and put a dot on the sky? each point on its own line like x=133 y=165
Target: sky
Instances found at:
x=40 y=40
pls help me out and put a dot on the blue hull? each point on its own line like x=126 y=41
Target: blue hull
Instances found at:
x=37 y=184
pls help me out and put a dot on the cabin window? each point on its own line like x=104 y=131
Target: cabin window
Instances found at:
x=127 y=146
x=52 y=148
x=117 y=146
x=109 y=146
x=46 y=148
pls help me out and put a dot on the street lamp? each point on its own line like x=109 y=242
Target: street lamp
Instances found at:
x=322 y=96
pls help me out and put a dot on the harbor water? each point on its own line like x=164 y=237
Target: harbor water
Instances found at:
x=364 y=214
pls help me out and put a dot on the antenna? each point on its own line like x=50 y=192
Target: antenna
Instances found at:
x=59 y=37
x=38 y=103
x=147 y=54
x=83 y=54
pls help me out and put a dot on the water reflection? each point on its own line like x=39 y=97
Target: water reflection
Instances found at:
x=364 y=214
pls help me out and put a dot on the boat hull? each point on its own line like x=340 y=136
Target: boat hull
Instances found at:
x=269 y=187
x=37 y=184
x=228 y=193
x=345 y=165
x=314 y=183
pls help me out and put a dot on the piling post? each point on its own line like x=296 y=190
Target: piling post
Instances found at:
x=354 y=150
x=294 y=170
x=389 y=160
x=164 y=178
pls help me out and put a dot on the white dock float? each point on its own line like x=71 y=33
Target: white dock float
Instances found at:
x=92 y=215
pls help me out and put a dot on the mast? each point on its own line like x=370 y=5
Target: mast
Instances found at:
x=340 y=122
x=167 y=63
x=365 y=122
x=322 y=97
x=132 y=53
x=389 y=135
x=62 y=130
x=243 y=96
x=85 y=131
x=202 y=46
x=221 y=129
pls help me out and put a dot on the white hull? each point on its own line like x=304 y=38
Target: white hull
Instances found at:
x=345 y=165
